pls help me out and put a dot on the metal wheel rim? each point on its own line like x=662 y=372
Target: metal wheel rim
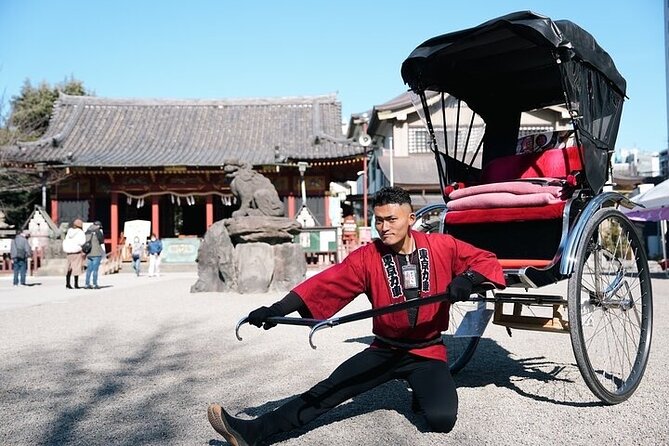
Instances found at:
x=611 y=308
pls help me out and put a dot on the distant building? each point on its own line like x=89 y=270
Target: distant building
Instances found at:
x=664 y=163
x=162 y=160
x=402 y=154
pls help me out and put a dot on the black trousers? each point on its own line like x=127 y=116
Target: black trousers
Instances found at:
x=431 y=381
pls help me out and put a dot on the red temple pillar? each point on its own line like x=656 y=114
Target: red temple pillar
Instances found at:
x=113 y=216
x=155 y=215
x=54 y=210
x=326 y=207
x=209 y=207
x=291 y=206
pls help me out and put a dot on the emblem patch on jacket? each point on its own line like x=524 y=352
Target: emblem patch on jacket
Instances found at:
x=392 y=276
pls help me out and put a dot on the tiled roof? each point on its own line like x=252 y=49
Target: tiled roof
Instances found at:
x=103 y=132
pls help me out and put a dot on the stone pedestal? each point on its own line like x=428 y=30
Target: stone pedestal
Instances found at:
x=251 y=254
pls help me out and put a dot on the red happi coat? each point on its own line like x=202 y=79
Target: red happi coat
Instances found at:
x=373 y=269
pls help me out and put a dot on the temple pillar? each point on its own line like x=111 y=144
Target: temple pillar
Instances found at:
x=209 y=208
x=54 y=210
x=113 y=216
x=155 y=215
x=326 y=208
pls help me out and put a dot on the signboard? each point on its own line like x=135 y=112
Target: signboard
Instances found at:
x=180 y=250
x=136 y=228
x=5 y=245
x=317 y=239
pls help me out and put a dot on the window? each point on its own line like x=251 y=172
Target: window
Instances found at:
x=419 y=141
x=530 y=130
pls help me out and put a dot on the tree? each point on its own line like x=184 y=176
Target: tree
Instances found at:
x=28 y=120
x=31 y=110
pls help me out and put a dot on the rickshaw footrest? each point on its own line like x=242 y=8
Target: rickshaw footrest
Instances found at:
x=555 y=323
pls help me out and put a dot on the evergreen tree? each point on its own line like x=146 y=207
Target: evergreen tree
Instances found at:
x=28 y=120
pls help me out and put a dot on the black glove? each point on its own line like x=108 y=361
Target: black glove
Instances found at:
x=291 y=302
x=258 y=317
x=461 y=286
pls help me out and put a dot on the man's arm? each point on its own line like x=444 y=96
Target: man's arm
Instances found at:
x=320 y=296
x=469 y=258
x=290 y=303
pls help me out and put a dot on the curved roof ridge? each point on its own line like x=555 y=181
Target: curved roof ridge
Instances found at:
x=283 y=100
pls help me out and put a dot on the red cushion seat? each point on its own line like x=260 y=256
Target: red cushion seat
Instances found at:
x=548 y=212
x=554 y=163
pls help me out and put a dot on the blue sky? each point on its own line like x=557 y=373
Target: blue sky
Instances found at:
x=233 y=49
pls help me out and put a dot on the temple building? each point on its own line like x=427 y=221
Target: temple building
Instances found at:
x=162 y=160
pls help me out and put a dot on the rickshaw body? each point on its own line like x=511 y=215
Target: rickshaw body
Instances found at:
x=538 y=201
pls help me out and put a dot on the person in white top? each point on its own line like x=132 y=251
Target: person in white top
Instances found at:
x=72 y=243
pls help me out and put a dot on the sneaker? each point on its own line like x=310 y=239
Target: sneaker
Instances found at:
x=220 y=421
x=88 y=287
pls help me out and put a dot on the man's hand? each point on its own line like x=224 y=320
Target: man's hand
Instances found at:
x=460 y=289
x=258 y=317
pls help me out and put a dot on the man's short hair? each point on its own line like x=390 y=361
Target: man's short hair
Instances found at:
x=392 y=195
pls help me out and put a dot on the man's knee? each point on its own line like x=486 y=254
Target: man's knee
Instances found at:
x=441 y=421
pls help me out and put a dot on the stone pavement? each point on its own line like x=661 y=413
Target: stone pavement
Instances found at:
x=137 y=362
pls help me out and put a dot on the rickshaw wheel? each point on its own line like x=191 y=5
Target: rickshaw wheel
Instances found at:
x=461 y=349
x=610 y=307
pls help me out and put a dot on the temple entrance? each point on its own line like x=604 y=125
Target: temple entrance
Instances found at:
x=180 y=216
x=128 y=209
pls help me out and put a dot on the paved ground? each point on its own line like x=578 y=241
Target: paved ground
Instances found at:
x=137 y=362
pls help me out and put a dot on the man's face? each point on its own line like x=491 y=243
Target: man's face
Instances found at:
x=393 y=222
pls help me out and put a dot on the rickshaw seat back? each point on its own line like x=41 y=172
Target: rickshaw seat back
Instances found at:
x=499 y=229
x=552 y=163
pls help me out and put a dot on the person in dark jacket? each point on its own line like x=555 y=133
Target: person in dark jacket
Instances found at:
x=96 y=237
x=20 y=252
x=154 y=248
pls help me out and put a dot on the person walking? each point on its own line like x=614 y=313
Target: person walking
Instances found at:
x=20 y=252
x=72 y=243
x=96 y=237
x=154 y=248
x=137 y=251
x=402 y=265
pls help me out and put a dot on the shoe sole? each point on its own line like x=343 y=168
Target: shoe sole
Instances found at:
x=217 y=421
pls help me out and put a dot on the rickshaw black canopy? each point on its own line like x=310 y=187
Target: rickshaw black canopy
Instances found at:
x=520 y=62
x=509 y=58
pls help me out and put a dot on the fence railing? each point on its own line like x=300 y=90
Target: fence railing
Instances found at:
x=34 y=262
x=113 y=261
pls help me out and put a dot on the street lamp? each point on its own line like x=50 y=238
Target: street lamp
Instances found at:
x=302 y=167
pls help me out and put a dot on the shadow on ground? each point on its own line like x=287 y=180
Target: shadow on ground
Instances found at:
x=491 y=364
x=101 y=389
x=107 y=388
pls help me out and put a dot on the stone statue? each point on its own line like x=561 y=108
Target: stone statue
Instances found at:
x=255 y=192
x=253 y=251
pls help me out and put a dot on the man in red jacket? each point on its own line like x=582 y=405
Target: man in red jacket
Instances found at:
x=402 y=264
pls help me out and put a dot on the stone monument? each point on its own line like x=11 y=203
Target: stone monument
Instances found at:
x=252 y=252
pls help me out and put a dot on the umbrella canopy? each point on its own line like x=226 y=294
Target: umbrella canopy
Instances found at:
x=657 y=214
x=655 y=197
x=655 y=204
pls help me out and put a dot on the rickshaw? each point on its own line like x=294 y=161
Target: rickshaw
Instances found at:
x=539 y=202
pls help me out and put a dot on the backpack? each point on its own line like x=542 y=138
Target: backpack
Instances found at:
x=21 y=252
x=87 y=246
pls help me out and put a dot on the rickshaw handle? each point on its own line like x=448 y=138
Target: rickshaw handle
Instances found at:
x=319 y=324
